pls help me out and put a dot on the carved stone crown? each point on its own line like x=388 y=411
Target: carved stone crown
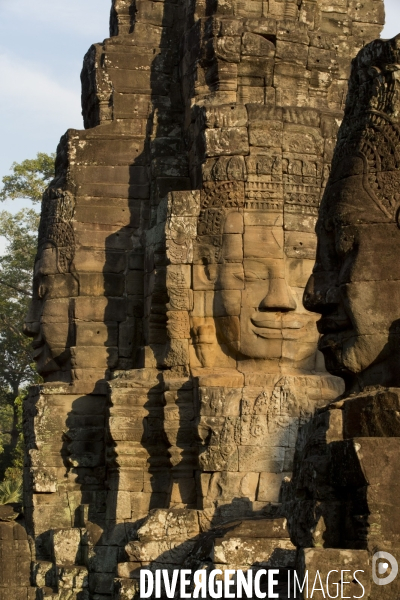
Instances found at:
x=370 y=128
x=56 y=228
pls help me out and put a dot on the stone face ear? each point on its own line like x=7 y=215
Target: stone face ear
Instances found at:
x=204 y=340
x=205 y=276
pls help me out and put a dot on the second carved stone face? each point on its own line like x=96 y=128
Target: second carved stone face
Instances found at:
x=355 y=284
x=259 y=288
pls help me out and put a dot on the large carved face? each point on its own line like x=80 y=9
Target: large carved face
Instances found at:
x=49 y=320
x=258 y=290
x=355 y=285
x=265 y=289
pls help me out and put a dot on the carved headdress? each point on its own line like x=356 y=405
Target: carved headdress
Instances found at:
x=371 y=126
x=56 y=228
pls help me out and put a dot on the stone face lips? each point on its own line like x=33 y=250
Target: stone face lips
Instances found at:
x=175 y=243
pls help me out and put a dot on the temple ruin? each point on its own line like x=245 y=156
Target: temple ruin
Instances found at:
x=175 y=244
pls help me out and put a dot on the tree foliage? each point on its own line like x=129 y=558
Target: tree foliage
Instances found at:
x=29 y=178
x=11 y=491
x=15 y=292
x=17 y=371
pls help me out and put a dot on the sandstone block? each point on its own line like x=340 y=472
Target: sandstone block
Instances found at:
x=122 y=216
x=96 y=308
x=88 y=260
x=101 y=284
x=125 y=588
x=225 y=116
x=44 y=574
x=270 y=486
x=129 y=570
x=261 y=459
x=322 y=559
x=103 y=559
x=86 y=356
x=119 y=505
x=66 y=544
x=249 y=551
x=228 y=48
x=96 y=334
x=73 y=578
x=227 y=140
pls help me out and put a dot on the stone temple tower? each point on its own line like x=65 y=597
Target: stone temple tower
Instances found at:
x=174 y=246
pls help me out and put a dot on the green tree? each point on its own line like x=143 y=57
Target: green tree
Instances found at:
x=17 y=371
x=16 y=368
x=29 y=178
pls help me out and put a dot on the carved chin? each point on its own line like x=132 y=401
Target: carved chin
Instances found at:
x=353 y=355
x=51 y=361
x=254 y=346
x=45 y=363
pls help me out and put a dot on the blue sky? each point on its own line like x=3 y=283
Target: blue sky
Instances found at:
x=42 y=44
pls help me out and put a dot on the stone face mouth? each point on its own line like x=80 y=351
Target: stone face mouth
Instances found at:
x=327 y=325
x=37 y=343
x=37 y=351
x=268 y=323
x=331 y=340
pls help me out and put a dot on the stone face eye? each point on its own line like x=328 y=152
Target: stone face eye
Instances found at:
x=251 y=276
x=345 y=243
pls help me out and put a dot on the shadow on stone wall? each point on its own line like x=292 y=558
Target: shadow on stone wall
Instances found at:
x=245 y=544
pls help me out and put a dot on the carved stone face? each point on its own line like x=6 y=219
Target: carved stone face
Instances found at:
x=355 y=285
x=48 y=319
x=259 y=289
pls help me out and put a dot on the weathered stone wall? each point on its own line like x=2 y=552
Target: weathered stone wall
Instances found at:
x=15 y=556
x=175 y=243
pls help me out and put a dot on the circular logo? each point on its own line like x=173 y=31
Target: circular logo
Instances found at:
x=382 y=567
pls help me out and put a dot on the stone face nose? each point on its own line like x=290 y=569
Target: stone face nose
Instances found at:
x=311 y=299
x=31 y=328
x=321 y=294
x=31 y=325
x=279 y=297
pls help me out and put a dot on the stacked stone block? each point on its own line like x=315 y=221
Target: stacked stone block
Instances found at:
x=138 y=457
x=15 y=558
